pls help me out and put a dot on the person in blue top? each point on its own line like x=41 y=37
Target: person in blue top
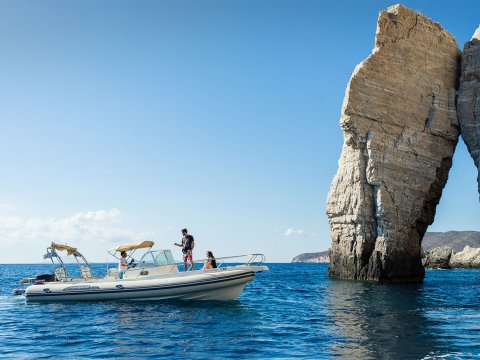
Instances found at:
x=187 y=245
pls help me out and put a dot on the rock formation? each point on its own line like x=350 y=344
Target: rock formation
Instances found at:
x=468 y=102
x=468 y=258
x=438 y=258
x=445 y=258
x=400 y=132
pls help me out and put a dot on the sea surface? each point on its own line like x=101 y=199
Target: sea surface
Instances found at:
x=293 y=311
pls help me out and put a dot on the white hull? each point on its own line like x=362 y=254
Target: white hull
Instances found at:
x=218 y=284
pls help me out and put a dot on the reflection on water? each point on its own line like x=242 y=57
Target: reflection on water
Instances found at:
x=378 y=321
x=293 y=311
x=435 y=319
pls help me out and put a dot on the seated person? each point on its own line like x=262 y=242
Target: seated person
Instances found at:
x=211 y=263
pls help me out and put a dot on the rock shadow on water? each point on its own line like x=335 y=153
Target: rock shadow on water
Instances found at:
x=379 y=321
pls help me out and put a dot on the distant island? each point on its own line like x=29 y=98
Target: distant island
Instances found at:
x=317 y=257
x=457 y=240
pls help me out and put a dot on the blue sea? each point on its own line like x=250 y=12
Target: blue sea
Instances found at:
x=293 y=311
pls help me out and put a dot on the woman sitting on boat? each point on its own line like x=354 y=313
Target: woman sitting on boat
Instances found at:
x=211 y=263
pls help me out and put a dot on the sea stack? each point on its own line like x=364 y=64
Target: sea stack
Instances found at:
x=468 y=102
x=400 y=132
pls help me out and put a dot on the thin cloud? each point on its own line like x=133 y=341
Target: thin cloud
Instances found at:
x=293 y=232
x=100 y=225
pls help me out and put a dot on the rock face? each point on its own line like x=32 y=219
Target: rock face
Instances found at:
x=438 y=258
x=468 y=258
x=400 y=132
x=468 y=102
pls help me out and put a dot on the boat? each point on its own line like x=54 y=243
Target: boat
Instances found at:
x=155 y=276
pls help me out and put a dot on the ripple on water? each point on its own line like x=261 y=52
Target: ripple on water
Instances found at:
x=293 y=311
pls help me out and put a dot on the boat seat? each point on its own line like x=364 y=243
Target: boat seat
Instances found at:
x=86 y=272
x=60 y=274
x=113 y=272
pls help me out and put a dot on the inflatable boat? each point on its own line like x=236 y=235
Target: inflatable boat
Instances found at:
x=155 y=276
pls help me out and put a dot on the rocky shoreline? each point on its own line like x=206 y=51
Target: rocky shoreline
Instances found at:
x=440 y=250
x=445 y=257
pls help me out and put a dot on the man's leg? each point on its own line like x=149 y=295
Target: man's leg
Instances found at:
x=191 y=261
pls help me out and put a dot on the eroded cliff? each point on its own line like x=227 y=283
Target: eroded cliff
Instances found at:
x=400 y=131
x=469 y=99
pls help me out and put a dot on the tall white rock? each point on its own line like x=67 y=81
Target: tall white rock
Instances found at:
x=400 y=132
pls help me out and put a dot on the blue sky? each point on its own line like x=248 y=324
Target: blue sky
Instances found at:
x=126 y=120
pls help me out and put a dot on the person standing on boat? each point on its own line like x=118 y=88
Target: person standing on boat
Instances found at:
x=123 y=264
x=187 y=245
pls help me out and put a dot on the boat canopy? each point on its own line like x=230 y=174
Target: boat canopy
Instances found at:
x=129 y=247
x=59 y=268
x=62 y=247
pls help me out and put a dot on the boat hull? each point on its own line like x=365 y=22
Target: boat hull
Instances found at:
x=202 y=285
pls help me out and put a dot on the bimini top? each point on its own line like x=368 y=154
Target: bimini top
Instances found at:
x=62 y=247
x=128 y=247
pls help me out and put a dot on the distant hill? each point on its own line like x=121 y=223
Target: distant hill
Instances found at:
x=318 y=257
x=457 y=240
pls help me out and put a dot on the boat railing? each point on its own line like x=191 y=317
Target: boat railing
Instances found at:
x=251 y=259
x=256 y=259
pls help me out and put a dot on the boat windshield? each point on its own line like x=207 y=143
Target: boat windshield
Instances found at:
x=157 y=258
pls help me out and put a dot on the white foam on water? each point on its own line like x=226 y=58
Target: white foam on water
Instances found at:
x=7 y=301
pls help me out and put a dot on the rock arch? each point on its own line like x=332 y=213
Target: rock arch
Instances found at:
x=468 y=103
x=401 y=128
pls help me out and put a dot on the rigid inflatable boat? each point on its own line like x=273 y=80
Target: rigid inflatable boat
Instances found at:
x=154 y=277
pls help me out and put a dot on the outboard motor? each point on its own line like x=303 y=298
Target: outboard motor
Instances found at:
x=18 y=292
x=23 y=282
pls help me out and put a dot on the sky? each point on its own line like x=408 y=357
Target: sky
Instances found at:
x=122 y=121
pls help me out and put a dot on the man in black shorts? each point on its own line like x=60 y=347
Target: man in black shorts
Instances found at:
x=187 y=246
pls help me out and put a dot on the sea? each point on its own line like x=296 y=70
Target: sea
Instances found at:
x=293 y=311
